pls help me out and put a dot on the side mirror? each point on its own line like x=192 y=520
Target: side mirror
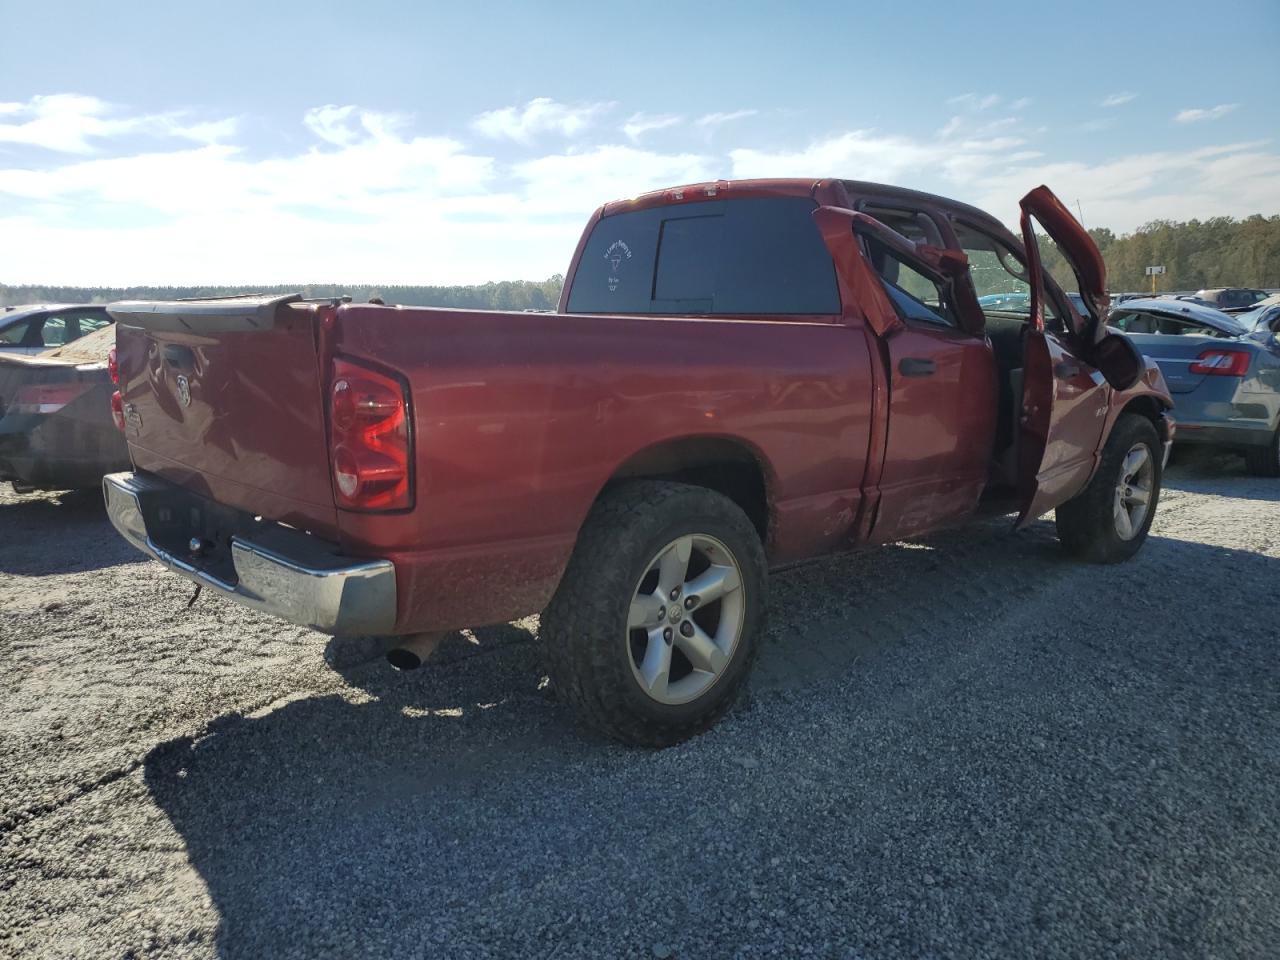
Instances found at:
x=1118 y=360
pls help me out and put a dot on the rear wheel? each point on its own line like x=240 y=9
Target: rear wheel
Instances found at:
x=1264 y=461
x=1108 y=521
x=653 y=630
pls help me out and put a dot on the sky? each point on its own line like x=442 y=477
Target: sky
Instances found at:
x=374 y=142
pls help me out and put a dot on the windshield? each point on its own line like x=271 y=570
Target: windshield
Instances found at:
x=998 y=275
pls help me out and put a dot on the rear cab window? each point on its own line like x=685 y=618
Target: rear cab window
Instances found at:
x=747 y=257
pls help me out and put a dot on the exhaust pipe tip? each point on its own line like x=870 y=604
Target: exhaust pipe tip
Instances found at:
x=403 y=659
x=414 y=651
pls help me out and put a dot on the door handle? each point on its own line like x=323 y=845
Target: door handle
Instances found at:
x=1066 y=370
x=917 y=367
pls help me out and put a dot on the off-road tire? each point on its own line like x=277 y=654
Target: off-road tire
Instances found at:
x=1086 y=523
x=583 y=630
x=1264 y=461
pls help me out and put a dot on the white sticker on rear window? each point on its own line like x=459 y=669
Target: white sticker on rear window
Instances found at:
x=617 y=254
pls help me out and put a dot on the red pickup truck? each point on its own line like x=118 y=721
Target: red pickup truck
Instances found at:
x=740 y=375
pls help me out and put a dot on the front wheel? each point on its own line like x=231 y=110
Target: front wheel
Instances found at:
x=655 y=625
x=1109 y=520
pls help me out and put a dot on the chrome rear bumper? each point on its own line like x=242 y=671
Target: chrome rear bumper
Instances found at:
x=309 y=584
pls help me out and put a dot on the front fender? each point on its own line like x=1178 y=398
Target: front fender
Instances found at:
x=1149 y=396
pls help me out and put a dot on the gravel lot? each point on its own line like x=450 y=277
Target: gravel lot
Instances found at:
x=966 y=746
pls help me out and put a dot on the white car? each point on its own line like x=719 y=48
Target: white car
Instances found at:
x=34 y=328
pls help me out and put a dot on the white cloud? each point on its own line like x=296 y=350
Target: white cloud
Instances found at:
x=969 y=127
x=1117 y=99
x=975 y=101
x=719 y=119
x=638 y=124
x=992 y=173
x=991 y=126
x=540 y=115
x=343 y=126
x=870 y=155
x=375 y=204
x=1098 y=124
x=569 y=181
x=1236 y=179
x=72 y=123
x=369 y=201
x=1196 y=114
x=1020 y=104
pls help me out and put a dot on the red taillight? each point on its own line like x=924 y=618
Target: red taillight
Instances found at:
x=46 y=398
x=117 y=401
x=1216 y=362
x=370 y=446
x=117 y=410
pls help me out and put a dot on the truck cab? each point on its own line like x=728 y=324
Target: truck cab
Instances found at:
x=1007 y=404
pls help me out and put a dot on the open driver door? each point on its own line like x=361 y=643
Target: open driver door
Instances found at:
x=1065 y=397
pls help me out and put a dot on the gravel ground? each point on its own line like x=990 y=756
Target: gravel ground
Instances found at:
x=967 y=746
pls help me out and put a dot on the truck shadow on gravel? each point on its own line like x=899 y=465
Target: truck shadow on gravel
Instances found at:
x=59 y=533
x=433 y=813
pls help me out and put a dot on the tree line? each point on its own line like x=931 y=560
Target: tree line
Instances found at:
x=502 y=295
x=1196 y=254
x=1218 y=252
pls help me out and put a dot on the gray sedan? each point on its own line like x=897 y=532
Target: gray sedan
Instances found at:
x=1224 y=375
x=37 y=327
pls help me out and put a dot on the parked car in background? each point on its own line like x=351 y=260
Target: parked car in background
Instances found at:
x=740 y=375
x=35 y=328
x=1230 y=298
x=1180 y=297
x=1020 y=303
x=1263 y=315
x=1223 y=374
x=56 y=426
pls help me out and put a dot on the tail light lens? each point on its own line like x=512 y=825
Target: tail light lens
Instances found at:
x=1216 y=362
x=117 y=401
x=117 y=410
x=47 y=398
x=370 y=446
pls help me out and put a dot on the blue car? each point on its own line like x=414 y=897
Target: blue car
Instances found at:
x=1263 y=316
x=1224 y=375
x=1020 y=303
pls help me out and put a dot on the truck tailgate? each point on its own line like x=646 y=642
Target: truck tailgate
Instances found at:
x=225 y=397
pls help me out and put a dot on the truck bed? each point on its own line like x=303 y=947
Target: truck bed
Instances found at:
x=519 y=420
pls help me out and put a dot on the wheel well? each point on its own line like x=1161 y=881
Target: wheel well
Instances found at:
x=1152 y=409
x=725 y=466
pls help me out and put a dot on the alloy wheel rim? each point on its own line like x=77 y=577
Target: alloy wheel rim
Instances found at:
x=686 y=618
x=1134 y=491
